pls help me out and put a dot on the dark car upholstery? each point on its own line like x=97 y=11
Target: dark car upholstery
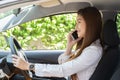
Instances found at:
x=116 y=75
x=110 y=58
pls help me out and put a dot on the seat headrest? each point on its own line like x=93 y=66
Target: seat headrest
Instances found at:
x=110 y=34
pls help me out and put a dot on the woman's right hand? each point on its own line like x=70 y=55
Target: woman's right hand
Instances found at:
x=20 y=63
x=70 y=43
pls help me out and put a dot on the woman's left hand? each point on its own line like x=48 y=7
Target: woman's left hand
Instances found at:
x=70 y=41
x=20 y=63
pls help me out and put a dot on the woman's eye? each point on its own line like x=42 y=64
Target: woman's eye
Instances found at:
x=79 y=22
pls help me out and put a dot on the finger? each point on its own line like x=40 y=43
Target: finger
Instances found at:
x=15 y=65
x=72 y=31
x=78 y=39
x=14 y=60
x=15 y=56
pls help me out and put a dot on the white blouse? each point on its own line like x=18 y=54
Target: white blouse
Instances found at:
x=84 y=65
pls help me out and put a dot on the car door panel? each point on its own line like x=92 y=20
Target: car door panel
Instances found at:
x=44 y=56
x=39 y=56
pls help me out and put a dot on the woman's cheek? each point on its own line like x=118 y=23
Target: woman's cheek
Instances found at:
x=79 y=34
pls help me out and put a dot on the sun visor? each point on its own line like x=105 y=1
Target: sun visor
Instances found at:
x=49 y=3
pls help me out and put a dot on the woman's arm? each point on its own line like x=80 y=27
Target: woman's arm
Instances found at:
x=89 y=57
x=63 y=58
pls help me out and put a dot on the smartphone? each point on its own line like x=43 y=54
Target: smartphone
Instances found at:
x=74 y=35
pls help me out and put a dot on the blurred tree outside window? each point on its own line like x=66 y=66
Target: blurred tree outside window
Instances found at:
x=118 y=23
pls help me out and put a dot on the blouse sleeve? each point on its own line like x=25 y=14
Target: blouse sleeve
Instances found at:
x=90 y=56
x=63 y=58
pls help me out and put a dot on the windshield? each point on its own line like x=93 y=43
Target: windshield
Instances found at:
x=2 y=15
x=8 y=18
x=6 y=1
x=5 y=21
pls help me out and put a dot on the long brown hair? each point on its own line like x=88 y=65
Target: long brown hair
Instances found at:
x=93 y=21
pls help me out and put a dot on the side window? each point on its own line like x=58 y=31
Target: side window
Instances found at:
x=118 y=23
x=45 y=33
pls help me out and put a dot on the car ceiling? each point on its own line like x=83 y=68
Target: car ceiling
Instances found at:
x=42 y=8
x=101 y=4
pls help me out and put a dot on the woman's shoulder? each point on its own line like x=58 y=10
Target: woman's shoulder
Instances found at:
x=95 y=47
x=96 y=44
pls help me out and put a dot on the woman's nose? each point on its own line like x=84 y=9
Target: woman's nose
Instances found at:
x=76 y=26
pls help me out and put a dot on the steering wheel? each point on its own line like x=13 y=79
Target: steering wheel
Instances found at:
x=17 y=50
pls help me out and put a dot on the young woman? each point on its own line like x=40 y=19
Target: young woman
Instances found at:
x=81 y=64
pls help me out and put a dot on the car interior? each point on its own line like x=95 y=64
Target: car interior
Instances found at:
x=109 y=65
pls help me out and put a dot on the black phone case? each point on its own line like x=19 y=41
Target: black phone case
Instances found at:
x=74 y=35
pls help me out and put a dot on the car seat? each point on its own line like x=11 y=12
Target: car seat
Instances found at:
x=107 y=65
x=116 y=75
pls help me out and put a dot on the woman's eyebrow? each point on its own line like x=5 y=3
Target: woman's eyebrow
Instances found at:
x=78 y=19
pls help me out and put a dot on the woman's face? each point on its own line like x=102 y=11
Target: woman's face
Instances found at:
x=80 y=26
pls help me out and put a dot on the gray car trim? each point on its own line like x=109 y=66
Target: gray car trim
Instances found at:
x=39 y=11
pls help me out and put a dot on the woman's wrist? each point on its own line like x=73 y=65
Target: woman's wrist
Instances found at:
x=69 y=47
x=31 y=67
x=28 y=65
x=68 y=50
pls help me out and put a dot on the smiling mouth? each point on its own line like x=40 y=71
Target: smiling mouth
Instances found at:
x=78 y=31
